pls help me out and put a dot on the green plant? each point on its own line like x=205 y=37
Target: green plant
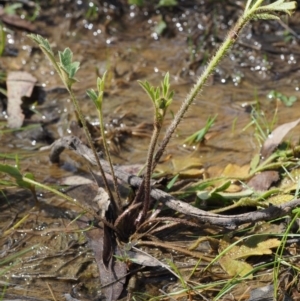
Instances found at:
x=199 y=136
x=92 y=12
x=161 y=98
x=286 y=100
x=2 y=40
x=97 y=98
x=67 y=70
x=15 y=9
x=136 y=2
x=167 y=3
x=263 y=125
x=11 y=9
x=253 y=11
x=15 y=173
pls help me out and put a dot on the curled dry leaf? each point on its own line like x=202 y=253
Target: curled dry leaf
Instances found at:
x=263 y=180
x=275 y=138
x=17 y=21
x=112 y=272
x=19 y=84
x=102 y=200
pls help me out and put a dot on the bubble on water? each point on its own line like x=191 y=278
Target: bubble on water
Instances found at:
x=154 y=35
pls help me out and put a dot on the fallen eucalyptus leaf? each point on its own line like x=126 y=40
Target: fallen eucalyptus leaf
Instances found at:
x=102 y=200
x=263 y=180
x=19 y=84
x=233 y=260
x=235 y=267
x=275 y=138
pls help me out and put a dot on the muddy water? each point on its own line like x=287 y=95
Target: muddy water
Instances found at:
x=130 y=50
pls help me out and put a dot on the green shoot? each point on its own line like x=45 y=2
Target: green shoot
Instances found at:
x=263 y=127
x=14 y=172
x=199 y=136
x=166 y=3
x=136 y=2
x=161 y=98
x=2 y=40
x=67 y=69
x=286 y=100
x=97 y=98
x=12 y=8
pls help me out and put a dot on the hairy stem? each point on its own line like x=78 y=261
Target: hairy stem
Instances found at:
x=147 y=189
x=229 y=41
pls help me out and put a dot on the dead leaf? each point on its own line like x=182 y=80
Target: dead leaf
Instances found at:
x=17 y=21
x=112 y=272
x=234 y=170
x=102 y=200
x=255 y=246
x=19 y=84
x=188 y=167
x=75 y=180
x=263 y=180
x=275 y=138
x=235 y=267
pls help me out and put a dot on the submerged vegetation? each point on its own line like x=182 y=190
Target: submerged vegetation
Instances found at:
x=143 y=231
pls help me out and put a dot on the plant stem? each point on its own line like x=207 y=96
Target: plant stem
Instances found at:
x=90 y=142
x=85 y=209
x=115 y=182
x=229 y=41
x=147 y=179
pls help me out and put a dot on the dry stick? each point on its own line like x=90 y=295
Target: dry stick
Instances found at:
x=229 y=41
x=227 y=221
x=161 y=244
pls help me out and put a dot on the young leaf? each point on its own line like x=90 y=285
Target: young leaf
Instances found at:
x=65 y=57
x=101 y=82
x=15 y=173
x=248 y=5
x=67 y=65
x=41 y=42
x=279 y=6
x=148 y=89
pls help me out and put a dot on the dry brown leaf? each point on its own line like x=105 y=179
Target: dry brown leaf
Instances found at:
x=275 y=138
x=235 y=267
x=189 y=167
x=233 y=170
x=17 y=21
x=255 y=246
x=263 y=180
x=19 y=84
x=112 y=272
x=102 y=200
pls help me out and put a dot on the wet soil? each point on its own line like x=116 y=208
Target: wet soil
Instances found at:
x=125 y=41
